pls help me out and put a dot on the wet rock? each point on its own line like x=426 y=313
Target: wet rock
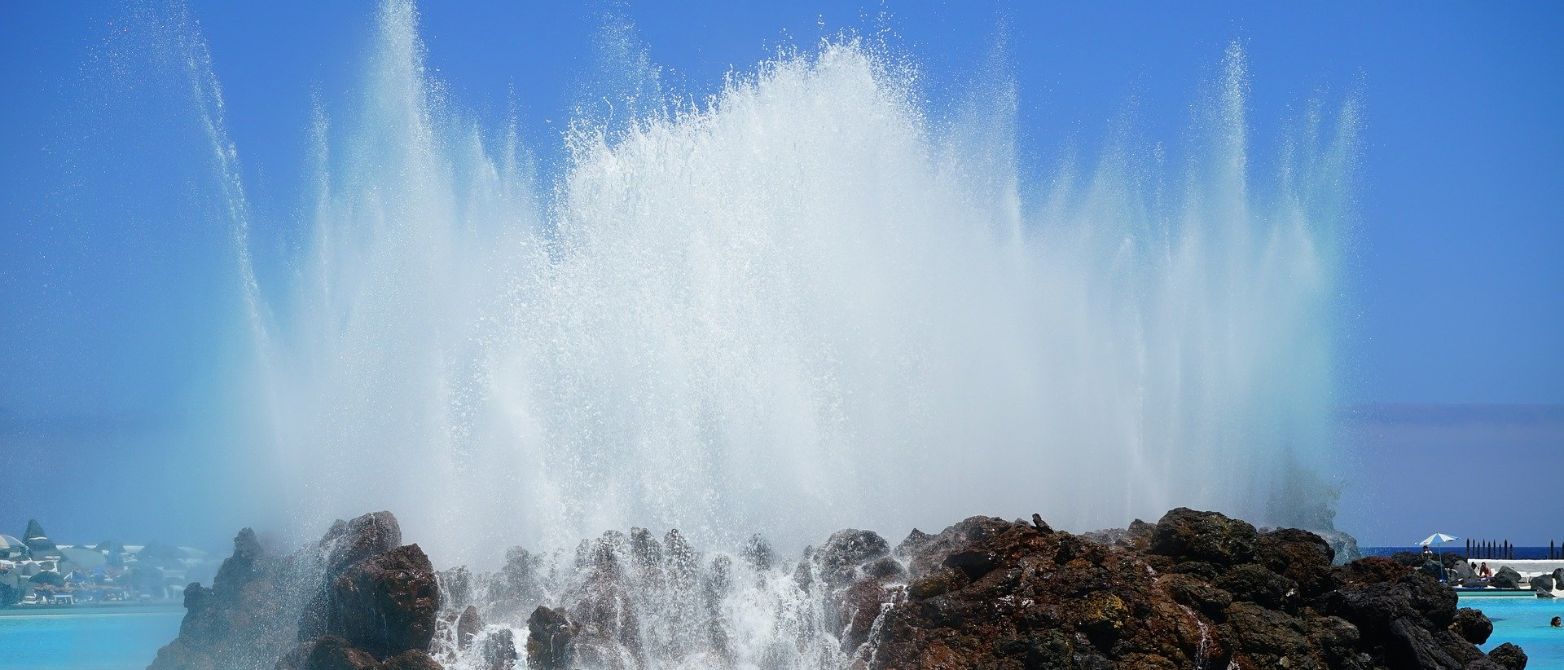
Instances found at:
x=386 y=604
x=499 y=650
x=328 y=653
x=364 y=536
x=410 y=660
x=1472 y=625
x=246 y=619
x=839 y=558
x=1197 y=593
x=757 y=553
x=345 y=544
x=1187 y=534
x=912 y=542
x=550 y=640
x=519 y=584
x=468 y=625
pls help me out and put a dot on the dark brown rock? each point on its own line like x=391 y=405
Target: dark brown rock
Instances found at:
x=410 y=660
x=330 y=653
x=1187 y=534
x=468 y=625
x=550 y=640
x=1472 y=625
x=386 y=604
x=245 y=620
x=1508 y=656
x=499 y=650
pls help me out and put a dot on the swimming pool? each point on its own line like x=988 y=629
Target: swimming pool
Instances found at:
x=1524 y=620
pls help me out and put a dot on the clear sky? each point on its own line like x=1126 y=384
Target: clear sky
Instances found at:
x=116 y=291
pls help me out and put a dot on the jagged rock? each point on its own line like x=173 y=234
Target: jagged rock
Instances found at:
x=644 y=547
x=912 y=542
x=1506 y=578
x=410 y=660
x=1224 y=597
x=838 y=560
x=245 y=620
x=468 y=625
x=386 y=604
x=757 y=553
x=328 y=653
x=1197 y=590
x=1508 y=656
x=1186 y=534
x=1254 y=583
x=519 y=584
x=1472 y=625
x=550 y=640
x=499 y=650
x=1042 y=526
x=1299 y=555
x=344 y=545
x=455 y=586
x=364 y=536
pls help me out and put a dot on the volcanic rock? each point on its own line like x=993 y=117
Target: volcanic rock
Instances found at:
x=387 y=603
x=1508 y=656
x=499 y=650
x=1185 y=534
x=1472 y=625
x=245 y=620
x=550 y=640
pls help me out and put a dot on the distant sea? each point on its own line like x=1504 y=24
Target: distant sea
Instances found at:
x=115 y=637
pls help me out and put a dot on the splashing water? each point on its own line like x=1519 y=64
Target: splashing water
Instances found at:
x=798 y=307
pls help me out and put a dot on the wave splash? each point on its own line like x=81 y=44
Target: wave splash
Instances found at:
x=799 y=306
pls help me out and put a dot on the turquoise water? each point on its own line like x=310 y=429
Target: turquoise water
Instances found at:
x=1524 y=621
x=86 y=638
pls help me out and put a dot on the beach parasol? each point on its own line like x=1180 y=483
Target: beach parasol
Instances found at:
x=1437 y=538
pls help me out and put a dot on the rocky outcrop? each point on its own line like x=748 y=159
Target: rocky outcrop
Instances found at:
x=1194 y=590
x=387 y=603
x=1207 y=592
x=551 y=640
x=1471 y=625
x=245 y=620
x=353 y=601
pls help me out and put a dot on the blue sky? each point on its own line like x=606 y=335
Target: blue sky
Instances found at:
x=115 y=291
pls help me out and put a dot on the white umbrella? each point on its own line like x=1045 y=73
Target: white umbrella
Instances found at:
x=1437 y=538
